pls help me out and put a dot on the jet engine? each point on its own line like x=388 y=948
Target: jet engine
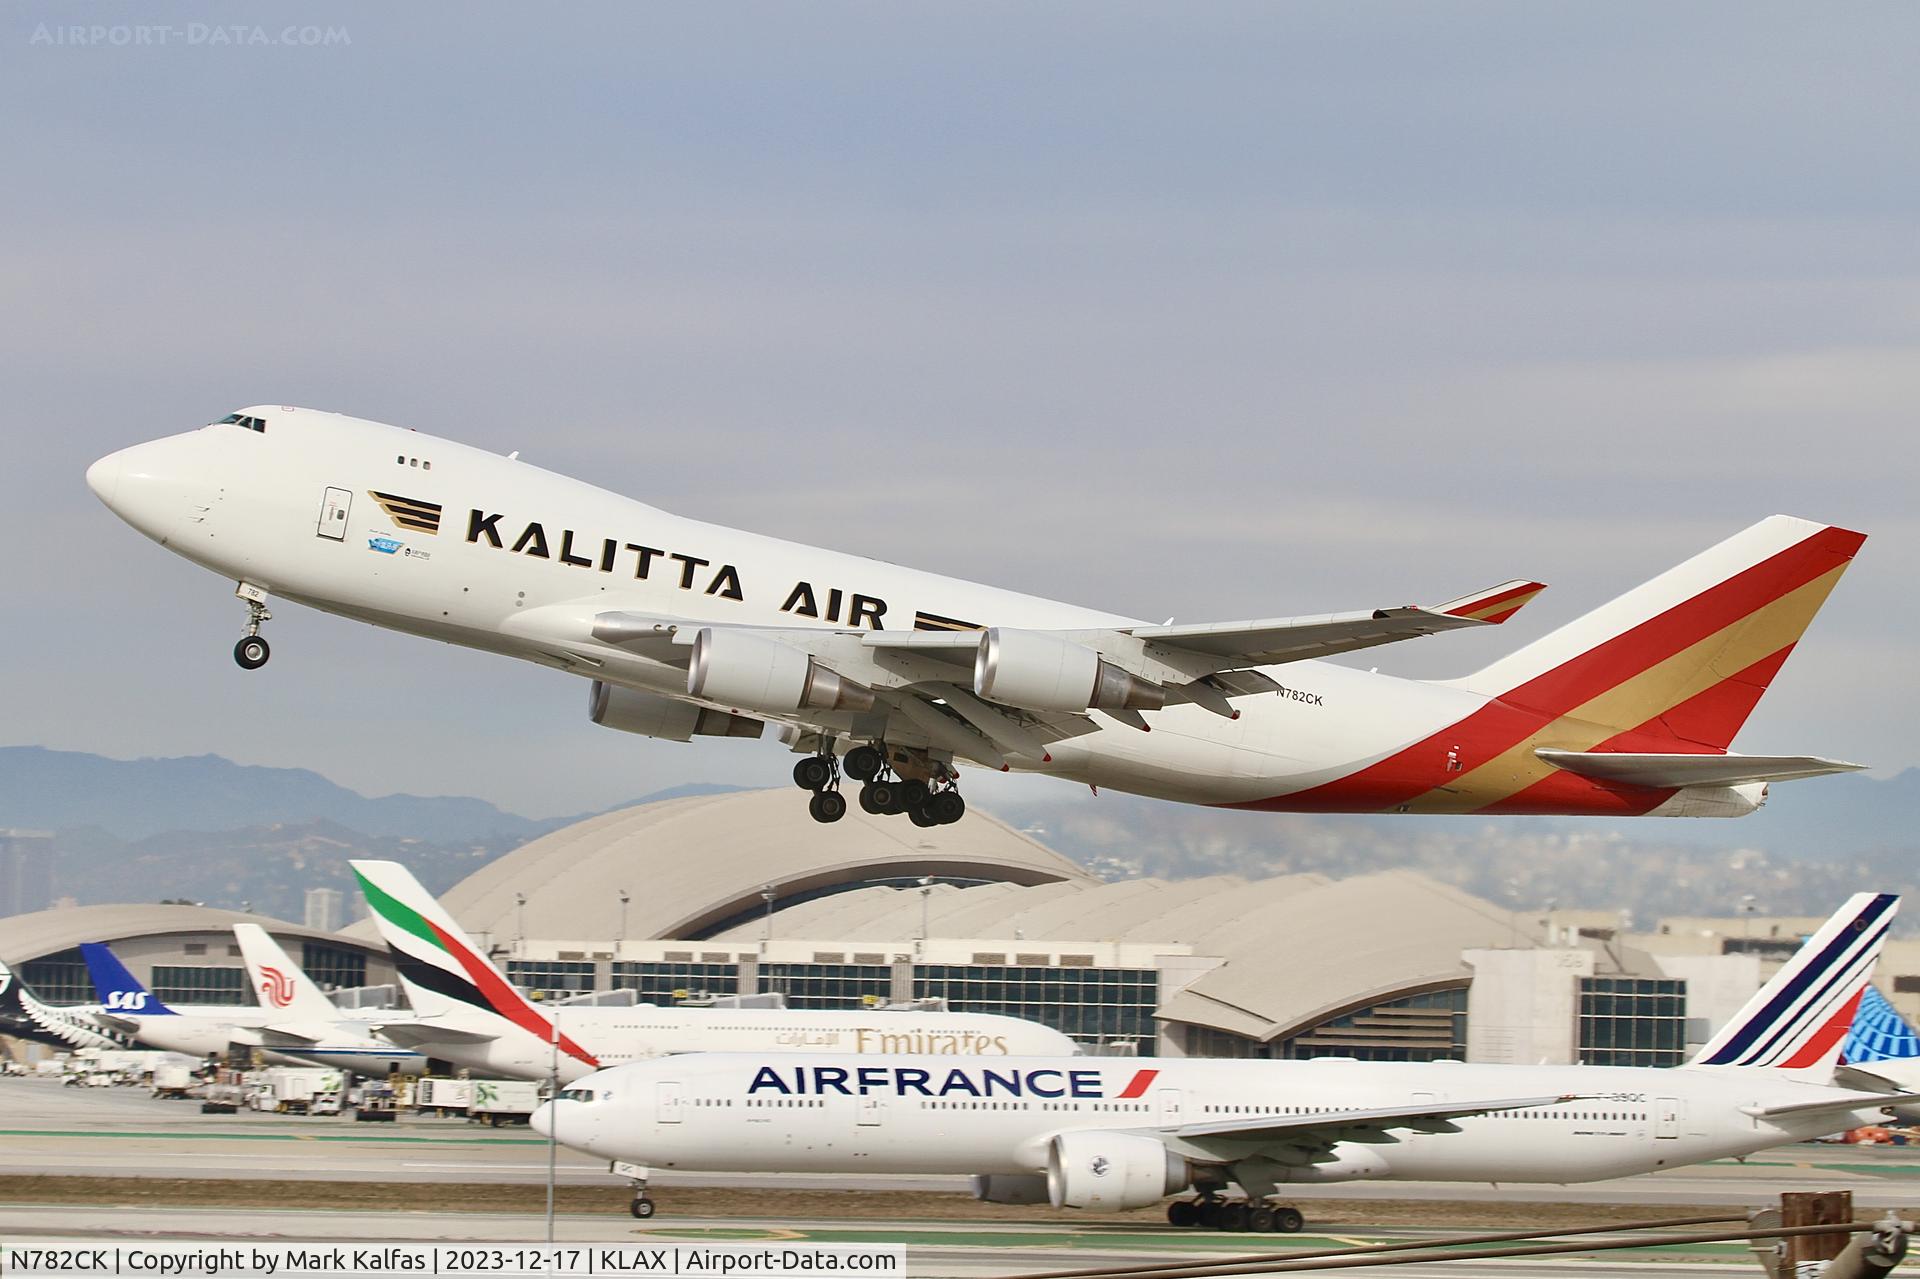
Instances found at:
x=1010 y=1188
x=651 y=715
x=1046 y=673
x=739 y=668
x=1112 y=1171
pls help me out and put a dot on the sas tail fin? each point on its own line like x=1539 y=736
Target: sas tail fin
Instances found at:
x=1797 y=1021
x=120 y=991
x=281 y=984
x=444 y=973
x=1677 y=665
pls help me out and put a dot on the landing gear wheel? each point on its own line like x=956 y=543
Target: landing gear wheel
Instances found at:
x=863 y=763
x=913 y=794
x=642 y=1207
x=880 y=797
x=1260 y=1220
x=1207 y=1213
x=251 y=652
x=813 y=772
x=1233 y=1216
x=1288 y=1221
x=947 y=807
x=827 y=806
x=923 y=816
x=1181 y=1213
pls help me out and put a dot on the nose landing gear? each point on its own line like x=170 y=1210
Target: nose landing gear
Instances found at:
x=252 y=651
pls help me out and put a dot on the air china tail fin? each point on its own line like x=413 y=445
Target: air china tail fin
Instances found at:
x=1677 y=665
x=281 y=984
x=444 y=973
x=120 y=991
x=1797 y=1021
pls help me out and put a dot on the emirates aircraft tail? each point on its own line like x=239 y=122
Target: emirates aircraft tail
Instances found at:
x=448 y=979
x=1799 y=1020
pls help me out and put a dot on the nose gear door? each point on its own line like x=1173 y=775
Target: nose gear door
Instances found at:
x=333 y=514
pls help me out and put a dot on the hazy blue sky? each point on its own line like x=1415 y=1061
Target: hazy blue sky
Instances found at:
x=1211 y=310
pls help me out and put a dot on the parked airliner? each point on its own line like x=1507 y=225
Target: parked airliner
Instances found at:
x=1107 y=1134
x=471 y=1015
x=890 y=675
x=309 y=1026
x=128 y=1007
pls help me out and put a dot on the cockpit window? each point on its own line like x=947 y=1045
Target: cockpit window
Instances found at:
x=241 y=419
x=576 y=1094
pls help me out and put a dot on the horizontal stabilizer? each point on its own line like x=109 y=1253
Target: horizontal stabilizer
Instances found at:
x=412 y=1034
x=1835 y=1105
x=1675 y=771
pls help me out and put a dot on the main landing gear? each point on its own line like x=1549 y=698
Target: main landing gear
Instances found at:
x=1214 y=1213
x=932 y=800
x=252 y=651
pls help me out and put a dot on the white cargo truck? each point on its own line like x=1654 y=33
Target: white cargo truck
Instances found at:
x=503 y=1101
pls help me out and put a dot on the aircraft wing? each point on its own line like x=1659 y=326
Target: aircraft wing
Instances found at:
x=1239 y=645
x=1314 y=1136
x=982 y=692
x=1674 y=771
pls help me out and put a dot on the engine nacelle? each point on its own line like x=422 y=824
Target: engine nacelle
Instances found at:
x=739 y=668
x=1010 y=1188
x=1112 y=1171
x=1046 y=673
x=651 y=715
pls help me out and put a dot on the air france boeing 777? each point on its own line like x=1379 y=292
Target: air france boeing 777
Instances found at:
x=1117 y=1133
x=891 y=675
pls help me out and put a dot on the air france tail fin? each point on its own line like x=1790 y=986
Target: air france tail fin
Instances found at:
x=120 y=991
x=444 y=973
x=281 y=984
x=1797 y=1021
x=1677 y=665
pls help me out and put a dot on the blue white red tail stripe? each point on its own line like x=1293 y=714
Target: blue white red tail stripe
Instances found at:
x=1797 y=1020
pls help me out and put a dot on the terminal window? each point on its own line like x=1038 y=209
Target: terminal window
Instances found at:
x=552 y=978
x=59 y=978
x=1091 y=1005
x=1633 y=1021
x=194 y=984
x=828 y=985
x=662 y=983
x=334 y=967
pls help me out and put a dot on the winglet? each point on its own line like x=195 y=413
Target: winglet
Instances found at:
x=1493 y=605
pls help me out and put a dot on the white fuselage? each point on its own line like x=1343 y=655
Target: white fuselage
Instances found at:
x=614 y=1036
x=723 y=1113
x=523 y=559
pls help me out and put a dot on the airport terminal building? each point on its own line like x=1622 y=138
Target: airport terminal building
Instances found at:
x=727 y=894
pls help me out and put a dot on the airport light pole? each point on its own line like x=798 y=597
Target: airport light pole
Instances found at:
x=553 y=1128
x=766 y=895
x=620 y=938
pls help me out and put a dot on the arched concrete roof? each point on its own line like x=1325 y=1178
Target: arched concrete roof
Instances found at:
x=693 y=864
x=47 y=932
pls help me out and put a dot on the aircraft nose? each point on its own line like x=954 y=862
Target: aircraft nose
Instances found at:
x=103 y=477
x=541 y=1120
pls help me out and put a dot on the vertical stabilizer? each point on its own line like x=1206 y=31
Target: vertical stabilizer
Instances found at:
x=445 y=974
x=1798 y=1020
x=119 y=990
x=282 y=985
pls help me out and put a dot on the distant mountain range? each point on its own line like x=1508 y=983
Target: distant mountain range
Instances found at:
x=207 y=829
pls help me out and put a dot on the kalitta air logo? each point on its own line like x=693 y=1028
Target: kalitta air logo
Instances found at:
x=409 y=512
x=825 y=603
x=275 y=986
x=903 y=1081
